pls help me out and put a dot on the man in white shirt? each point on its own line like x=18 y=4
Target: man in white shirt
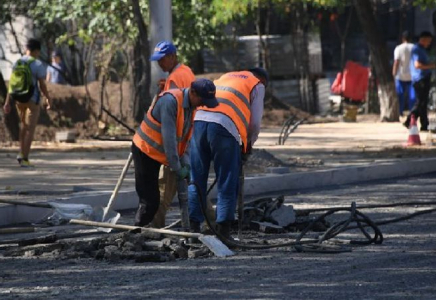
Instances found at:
x=401 y=72
x=220 y=135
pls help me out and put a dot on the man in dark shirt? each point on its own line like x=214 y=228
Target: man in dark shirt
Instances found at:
x=420 y=69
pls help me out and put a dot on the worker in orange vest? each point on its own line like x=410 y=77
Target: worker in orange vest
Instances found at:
x=180 y=76
x=162 y=139
x=220 y=134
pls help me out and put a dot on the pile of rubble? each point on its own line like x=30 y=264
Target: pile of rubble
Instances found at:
x=270 y=215
x=134 y=245
x=265 y=215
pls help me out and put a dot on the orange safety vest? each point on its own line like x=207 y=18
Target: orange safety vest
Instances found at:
x=233 y=92
x=148 y=137
x=182 y=77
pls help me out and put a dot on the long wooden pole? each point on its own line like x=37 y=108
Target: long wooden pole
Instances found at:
x=129 y=227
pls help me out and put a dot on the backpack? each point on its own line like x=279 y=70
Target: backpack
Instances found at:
x=21 y=85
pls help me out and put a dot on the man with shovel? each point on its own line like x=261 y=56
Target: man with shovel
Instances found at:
x=180 y=76
x=162 y=139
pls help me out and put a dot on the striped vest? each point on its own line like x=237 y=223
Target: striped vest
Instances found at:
x=148 y=137
x=233 y=91
x=182 y=77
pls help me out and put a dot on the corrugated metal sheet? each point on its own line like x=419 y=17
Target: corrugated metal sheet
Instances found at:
x=287 y=91
x=246 y=54
x=323 y=94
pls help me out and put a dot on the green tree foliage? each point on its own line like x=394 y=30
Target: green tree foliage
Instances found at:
x=88 y=20
x=228 y=10
x=425 y=3
x=192 y=29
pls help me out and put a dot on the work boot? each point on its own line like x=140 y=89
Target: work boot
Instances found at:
x=141 y=216
x=223 y=229
x=194 y=226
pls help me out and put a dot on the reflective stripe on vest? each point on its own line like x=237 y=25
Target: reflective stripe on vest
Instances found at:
x=148 y=136
x=182 y=77
x=233 y=92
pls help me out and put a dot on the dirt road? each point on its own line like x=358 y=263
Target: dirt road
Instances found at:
x=403 y=267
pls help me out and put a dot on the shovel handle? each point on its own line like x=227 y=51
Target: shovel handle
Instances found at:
x=128 y=227
x=117 y=187
x=241 y=201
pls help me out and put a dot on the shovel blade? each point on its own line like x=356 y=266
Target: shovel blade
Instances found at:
x=110 y=218
x=216 y=246
x=85 y=212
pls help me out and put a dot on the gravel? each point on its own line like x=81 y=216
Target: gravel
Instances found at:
x=401 y=268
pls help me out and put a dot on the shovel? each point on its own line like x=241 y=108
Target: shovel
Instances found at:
x=111 y=202
x=210 y=241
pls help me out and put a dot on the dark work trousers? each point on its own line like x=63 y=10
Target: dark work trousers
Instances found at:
x=147 y=186
x=419 y=110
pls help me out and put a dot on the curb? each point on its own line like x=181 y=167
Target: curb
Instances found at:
x=279 y=183
x=254 y=186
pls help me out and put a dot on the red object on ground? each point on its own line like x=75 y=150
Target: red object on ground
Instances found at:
x=337 y=84
x=414 y=138
x=352 y=83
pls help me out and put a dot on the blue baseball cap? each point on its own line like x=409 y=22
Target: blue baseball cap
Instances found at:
x=206 y=90
x=163 y=48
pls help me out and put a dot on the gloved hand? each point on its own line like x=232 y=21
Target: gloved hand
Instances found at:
x=246 y=155
x=183 y=172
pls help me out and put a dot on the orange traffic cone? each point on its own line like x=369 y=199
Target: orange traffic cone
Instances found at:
x=413 y=133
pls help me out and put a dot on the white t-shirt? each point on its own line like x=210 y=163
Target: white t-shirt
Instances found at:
x=256 y=108
x=402 y=54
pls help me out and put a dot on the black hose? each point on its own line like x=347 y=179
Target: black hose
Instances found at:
x=413 y=203
x=233 y=243
x=356 y=216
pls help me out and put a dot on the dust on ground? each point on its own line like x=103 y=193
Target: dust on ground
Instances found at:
x=400 y=268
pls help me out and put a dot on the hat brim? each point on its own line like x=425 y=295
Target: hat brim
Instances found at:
x=157 y=56
x=210 y=102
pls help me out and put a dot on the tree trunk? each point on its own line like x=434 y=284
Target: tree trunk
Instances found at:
x=12 y=121
x=389 y=111
x=300 y=43
x=140 y=67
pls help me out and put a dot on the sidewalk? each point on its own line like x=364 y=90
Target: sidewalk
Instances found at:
x=316 y=154
x=345 y=144
x=96 y=165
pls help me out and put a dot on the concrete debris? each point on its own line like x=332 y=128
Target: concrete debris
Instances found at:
x=202 y=252
x=283 y=216
x=154 y=246
x=135 y=246
x=179 y=251
x=268 y=210
x=270 y=215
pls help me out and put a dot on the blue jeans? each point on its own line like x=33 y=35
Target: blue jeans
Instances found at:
x=402 y=87
x=212 y=142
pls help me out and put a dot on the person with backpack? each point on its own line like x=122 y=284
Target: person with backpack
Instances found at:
x=26 y=83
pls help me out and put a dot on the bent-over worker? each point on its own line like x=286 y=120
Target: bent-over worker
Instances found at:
x=219 y=134
x=162 y=139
